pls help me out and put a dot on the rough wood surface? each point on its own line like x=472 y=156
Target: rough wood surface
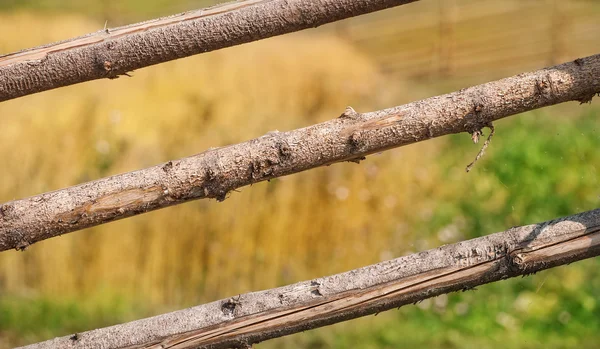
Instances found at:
x=250 y=318
x=350 y=137
x=111 y=53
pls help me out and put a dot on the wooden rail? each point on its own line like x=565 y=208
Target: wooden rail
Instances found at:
x=350 y=137
x=249 y=318
x=111 y=53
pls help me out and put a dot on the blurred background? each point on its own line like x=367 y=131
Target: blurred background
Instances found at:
x=540 y=165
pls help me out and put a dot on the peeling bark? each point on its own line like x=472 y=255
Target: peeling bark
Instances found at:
x=111 y=53
x=350 y=137
x=253 y=317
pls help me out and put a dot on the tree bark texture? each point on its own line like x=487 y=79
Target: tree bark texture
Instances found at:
x=216 y=172
x=250 y=318
x=111 y=53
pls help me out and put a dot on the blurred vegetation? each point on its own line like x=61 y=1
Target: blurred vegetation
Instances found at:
x=117 y=12
x=540 y=165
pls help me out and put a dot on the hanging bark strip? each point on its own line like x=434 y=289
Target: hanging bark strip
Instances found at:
x=111 y=53
x=246 y=319
x=350 y=137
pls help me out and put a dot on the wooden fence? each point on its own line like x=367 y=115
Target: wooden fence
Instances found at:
x=246 y=319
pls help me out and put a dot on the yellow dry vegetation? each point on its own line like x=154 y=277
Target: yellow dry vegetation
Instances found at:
x=303 y=226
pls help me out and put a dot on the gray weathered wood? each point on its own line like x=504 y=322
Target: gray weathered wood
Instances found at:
x=112 y=53
x=216 y=172
x=249 y=318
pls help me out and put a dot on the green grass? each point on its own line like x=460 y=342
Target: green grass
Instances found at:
x=27 y=319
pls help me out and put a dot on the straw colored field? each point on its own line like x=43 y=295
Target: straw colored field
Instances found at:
x=306 y=225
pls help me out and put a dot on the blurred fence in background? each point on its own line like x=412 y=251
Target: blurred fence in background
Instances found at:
x=475 y=39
